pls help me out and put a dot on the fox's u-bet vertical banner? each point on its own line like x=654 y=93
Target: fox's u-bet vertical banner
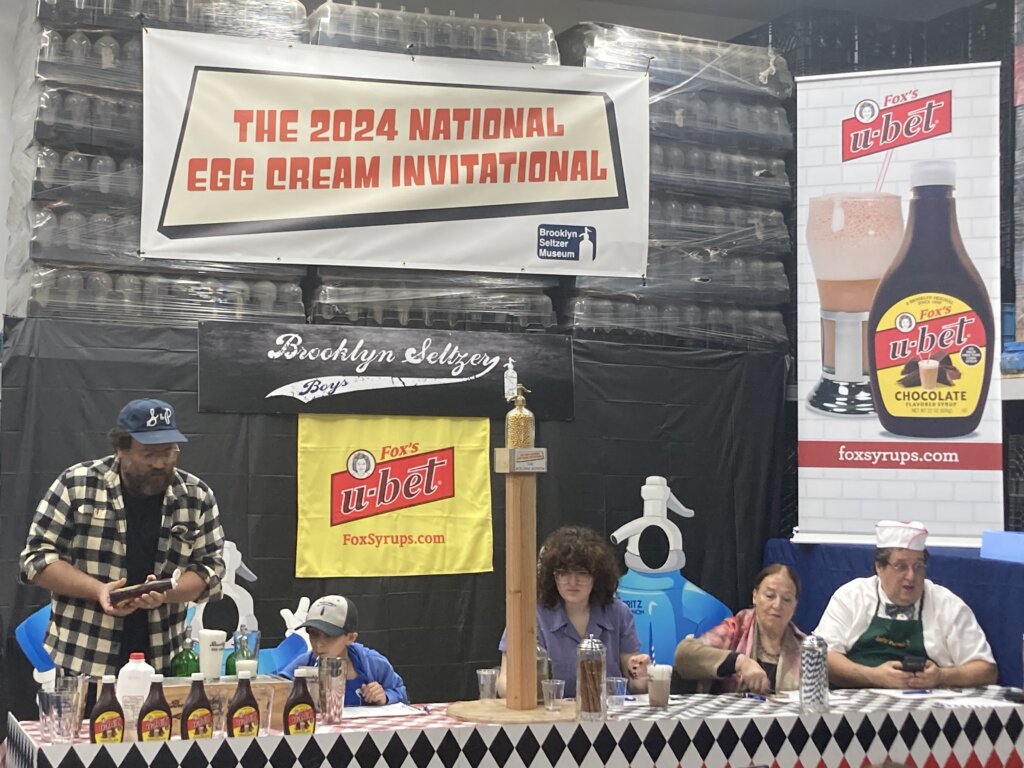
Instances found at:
x=393 y=496
x=898 y=271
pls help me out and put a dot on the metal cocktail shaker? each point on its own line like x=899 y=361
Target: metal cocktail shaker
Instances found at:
x=813 y=674
x=333 y=671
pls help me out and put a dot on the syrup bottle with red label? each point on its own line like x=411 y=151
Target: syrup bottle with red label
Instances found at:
x=154 y=723
x=932 y=336
x=197 y=714
x=243 y=714
x=299 y=714
x=106 y=721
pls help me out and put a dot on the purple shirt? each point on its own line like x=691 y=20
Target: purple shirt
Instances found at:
x=611 y=624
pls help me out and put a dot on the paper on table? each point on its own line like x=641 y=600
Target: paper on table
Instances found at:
x=793 y=697
x=975 y=701
x=386 y=710
x=927 y=694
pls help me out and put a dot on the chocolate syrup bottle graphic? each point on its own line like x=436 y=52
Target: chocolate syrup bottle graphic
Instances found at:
x=932 y=336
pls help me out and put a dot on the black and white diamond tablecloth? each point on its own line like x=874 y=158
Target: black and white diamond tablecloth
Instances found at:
x=717 y=732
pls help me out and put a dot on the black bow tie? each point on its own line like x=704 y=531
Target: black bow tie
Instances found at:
x=892 y=611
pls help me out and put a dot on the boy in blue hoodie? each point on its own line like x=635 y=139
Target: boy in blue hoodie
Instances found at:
x=331 y=624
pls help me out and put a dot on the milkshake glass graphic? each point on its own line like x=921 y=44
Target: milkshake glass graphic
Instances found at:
x=852 y=239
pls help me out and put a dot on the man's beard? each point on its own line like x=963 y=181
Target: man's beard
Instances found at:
x=149 y=484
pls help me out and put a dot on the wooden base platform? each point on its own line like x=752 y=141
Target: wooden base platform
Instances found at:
x=495 y=711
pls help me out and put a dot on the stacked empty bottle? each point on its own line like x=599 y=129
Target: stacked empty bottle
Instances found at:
x=818 y=41
x=439 y=301
x=719 y=185
x=426 y=34
x=76 y=197
x=446 y=301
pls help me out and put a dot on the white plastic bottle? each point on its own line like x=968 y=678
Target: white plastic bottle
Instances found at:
x=133 y=681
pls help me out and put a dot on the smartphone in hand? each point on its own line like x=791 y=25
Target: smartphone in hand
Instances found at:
x=913 y=663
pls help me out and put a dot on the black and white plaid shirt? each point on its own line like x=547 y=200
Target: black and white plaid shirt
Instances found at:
x=81 y=520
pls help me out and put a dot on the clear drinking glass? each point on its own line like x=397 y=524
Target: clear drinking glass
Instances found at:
x=554 y=691
x=488 y=682
x=616 y=693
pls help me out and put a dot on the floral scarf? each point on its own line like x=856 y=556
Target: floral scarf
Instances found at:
x=739 y=633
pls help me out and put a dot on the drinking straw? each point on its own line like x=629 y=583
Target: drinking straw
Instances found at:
x=885 y=169
x=650 y=630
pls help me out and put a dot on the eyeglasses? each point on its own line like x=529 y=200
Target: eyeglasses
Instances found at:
x=574 y=575
x=163 y=454
x=903 y=568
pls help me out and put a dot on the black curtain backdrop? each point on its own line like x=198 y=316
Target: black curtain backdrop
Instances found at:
x=710 y=421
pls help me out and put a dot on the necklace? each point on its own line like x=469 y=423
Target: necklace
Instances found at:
x=768 y=656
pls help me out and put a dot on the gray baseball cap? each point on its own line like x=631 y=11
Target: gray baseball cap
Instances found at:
x=333 y=615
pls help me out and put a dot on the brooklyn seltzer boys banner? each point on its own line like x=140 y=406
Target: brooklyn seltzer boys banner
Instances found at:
x=269 y=152
x=393 y=496
x=898 y=285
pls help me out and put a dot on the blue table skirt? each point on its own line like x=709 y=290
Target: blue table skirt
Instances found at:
x=993 y=588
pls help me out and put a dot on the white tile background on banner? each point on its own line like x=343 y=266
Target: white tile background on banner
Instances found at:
x=847 y=500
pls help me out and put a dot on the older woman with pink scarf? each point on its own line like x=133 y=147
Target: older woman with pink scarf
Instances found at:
x=756 y=650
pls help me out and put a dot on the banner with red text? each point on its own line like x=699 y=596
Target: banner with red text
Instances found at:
x=898 y=314
x=270 y=152
x=393 y=496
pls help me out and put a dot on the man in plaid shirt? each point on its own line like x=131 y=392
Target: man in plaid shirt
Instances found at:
x=127 y=518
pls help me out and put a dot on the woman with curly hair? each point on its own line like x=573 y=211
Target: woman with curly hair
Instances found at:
x=576 y=581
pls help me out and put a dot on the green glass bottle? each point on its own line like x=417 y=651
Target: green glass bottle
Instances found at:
x=242 y=652
x=185 y=662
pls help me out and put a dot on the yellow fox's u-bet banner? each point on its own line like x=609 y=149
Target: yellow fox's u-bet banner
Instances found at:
x=393 y=496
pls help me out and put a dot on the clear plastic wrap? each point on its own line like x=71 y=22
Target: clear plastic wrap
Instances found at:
x=427 y=34
x=690 y=168
x=677 y=63
x=160 y=293
x=97 y=58
x=83 y=234
x=89 y=120
x=699 y=276
x=701 y=326
x=695 y=223
x=110 y=179
x=440 y=301
x=283 y=20
x=721 y=120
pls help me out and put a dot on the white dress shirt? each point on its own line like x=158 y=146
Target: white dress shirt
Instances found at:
x=952 y=636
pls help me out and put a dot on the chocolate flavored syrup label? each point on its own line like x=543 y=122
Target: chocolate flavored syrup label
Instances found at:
x=199 y=724
x=108 y=728
x=930 y=353
x=301 y=718
x=155 y=726
x=245 y=721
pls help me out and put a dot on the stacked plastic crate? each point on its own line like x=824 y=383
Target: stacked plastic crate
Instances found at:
x=435 y=300
x=719 y=186
x=76 y=198
x=817 y=41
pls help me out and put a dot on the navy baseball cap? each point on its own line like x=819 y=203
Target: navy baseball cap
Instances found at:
x=150 y=422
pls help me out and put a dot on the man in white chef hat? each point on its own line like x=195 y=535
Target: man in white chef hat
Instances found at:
x=897 y=629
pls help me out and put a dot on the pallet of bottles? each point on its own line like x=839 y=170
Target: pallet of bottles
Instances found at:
x=426 y=34
x=676 y=61
x=450 y=301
